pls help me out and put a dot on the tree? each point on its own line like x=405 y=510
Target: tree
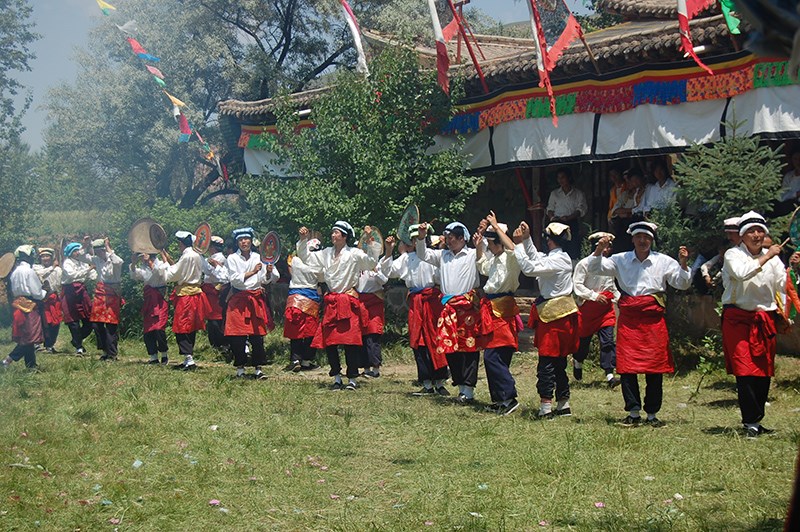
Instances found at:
x=368 y=156
x=16 y=35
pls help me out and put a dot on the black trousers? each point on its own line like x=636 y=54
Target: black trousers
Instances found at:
x=497 y=361
x=425 y=371
x=79 y=331
x=464 y=368
x=752 y=393
x=26 y=351
x=257 y=353
x=653 y=393
x=216 y=333
x=300 y=349
x=107 y=337
x=186 y=342
x=156 y=342
x=372 y=350
x=50 y=333
x=608 y=349
x=352 y=357
x=551 y=374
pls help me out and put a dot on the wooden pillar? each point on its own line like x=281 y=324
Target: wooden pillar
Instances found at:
x=536 y=210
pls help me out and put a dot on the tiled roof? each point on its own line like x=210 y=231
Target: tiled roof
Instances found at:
x=644 y=9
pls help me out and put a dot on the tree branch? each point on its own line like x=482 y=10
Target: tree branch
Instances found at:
x=239 y=25
x=331 y=60
x=217 y=193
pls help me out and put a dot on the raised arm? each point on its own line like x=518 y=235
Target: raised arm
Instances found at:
x=427 y=255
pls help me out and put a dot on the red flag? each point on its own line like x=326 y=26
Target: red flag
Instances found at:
x=450 y=31
x=442 y=59
x=552 y=22
x=687 y=9
x=183 y=123
x=137 y=48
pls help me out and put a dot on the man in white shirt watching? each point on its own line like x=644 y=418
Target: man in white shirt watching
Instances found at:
x=567 y=205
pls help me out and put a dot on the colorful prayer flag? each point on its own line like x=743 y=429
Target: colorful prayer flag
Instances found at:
x=105 y=7
x=551 y=22
x=160 y=81
x=154 y=71
x=174 y=100
x=442 y=59
x=352 y=23
x=686 y=10
x=129 y=27
x=451 y=30
x=732 y=22
x=141 y=52
x=186 y=129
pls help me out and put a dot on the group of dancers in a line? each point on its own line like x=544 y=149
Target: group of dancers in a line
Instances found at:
x=451 y=317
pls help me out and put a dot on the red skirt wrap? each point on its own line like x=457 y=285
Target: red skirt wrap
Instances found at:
x=375 y=313
x=155 y=310
x=212 y=295
x=460 y=329
x=593 y=316
x=642 y=337
x=501 y=318
x=270 y=321
x=557 y=338
x=301 y=317
x=53 y=315
x=341 y=321
x=190 y=312
x=247 y=314
x=424 y=309
x=76 y=304
x=749 y=340
x=106 y=304
x=26 y=324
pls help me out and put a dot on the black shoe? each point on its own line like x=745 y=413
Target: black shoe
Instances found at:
x=564 y=412
x=764 y=430
x=423 y=392
x=153 y=362
x=655 y=423
x=549 y=415
x=164 y=361
x=291 y=366
x=464 y=400
x=630 y=421
x=337 y=386
x=442 y=391
x=310 y=367
x=190 y=367
x=494 y=408
x=613 y=383
x=351 y=386
x=179 y=367
x=752 y=432
x=509 y=408
x=50 y=350
x=109 y=358
x=372 y=374
x=577 y=373
x=261 y=376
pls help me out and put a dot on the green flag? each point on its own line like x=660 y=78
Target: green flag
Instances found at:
x=733 y=22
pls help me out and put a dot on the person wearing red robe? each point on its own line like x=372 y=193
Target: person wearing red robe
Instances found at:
x=28 y=294
x=754 y=280
x=52 y=315
x=642 y=338
x=155 y=308
x=301 y=317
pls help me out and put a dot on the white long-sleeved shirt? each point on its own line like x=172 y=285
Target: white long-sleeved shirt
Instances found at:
x=567 y=203
x=408 y=267
x=109 y=270
x=51 y=276
x=371 y=281
x=341 y=272
x=155 y=277
x=644 y=278
x=188 y=269
x=238 y=266
x=658 y=196
x=748 y=285
x=25 y=282
x=790 y=185
x=502 y=271
x=588 y=286
x=76 y=270
x=459 y=271
x=215 y=274
x=304 y=276
x=553 y=270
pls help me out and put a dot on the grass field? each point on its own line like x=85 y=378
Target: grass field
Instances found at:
x=93 y=446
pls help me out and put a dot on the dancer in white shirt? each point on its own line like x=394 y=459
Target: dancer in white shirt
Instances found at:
x=26 y=327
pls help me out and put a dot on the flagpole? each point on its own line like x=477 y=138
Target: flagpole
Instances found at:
x=469 y=47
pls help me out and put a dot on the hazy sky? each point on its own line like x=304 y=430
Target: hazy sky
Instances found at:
x=64 y=25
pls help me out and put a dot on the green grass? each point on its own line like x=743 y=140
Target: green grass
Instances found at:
x=290 y=455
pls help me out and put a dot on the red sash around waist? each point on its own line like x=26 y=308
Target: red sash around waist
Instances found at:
x=106 y=304
x=593 y=316
x=341 y=322
x=642 y=337
x=749 y=340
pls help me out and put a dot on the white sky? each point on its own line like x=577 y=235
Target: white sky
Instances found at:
x=65 y=24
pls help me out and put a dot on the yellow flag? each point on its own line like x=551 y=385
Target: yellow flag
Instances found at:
x=105 y=6
x=174 y=100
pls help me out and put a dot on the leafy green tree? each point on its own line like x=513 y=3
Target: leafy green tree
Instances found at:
x=718 y=181
x=369 y=155
x=16 y=35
